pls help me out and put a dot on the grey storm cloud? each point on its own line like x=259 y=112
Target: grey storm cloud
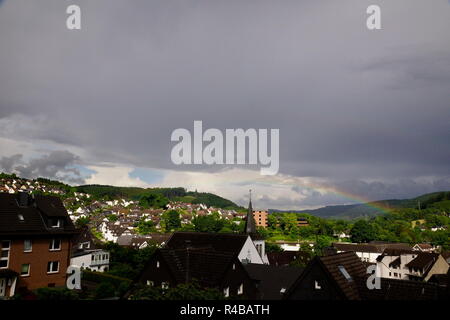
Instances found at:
x=55 y=165
x=8 y=163
x=351 y=104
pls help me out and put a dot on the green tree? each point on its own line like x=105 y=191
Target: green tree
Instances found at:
x=362 y=231
x=209 y=223
x=153 y=200
x=171 y=220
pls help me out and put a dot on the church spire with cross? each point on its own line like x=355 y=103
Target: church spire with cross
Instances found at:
x=250 y=224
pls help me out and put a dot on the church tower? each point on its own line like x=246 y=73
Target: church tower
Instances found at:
x=250 y=224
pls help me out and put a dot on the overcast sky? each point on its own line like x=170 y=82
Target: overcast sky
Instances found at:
x=360 y=112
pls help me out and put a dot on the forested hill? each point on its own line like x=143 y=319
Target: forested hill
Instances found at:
x=106 y=192
x=439 y=200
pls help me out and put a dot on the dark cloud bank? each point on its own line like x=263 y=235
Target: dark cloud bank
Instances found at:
x=352 y=106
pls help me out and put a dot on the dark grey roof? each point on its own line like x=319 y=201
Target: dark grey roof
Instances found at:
x=343 y=269
x=35 y=215
x=202 y=264
x=396 y=289
x=271 y=280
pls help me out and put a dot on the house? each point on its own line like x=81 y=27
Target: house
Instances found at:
x=36 y=237
x=332 y=277
x=368 y=252
x=410 y=265
x=424 y=247
x=425 y=265
x=94 y=260
x=210 y=268
x=272 y=281
x=85 y=241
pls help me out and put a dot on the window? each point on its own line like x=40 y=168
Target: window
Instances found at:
x=345 y=273
x=6 y=244
x=27 y=246
x=226 y=292
x=150 y=283
x=4 y=253
x=157 y=264
x=20 y=216
x=317 y=285
x=84 y=245
x=240 y=289
x=55 y=244
x=25 y=270
x=234 y=266
x=56 y=223
x=165 y=285
x=283 y=290
x=53 y=267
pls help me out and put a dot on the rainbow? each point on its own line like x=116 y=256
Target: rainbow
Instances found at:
x=353 y=198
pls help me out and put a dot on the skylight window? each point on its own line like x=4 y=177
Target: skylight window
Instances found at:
x=345 y=273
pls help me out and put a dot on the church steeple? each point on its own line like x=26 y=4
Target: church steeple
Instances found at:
x=250 y=224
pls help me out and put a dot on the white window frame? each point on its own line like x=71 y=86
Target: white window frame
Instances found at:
x=29 y=268
x=8 y=249
x=52 y=245
x=25 y=247
x=58 y=223
x=51 y=264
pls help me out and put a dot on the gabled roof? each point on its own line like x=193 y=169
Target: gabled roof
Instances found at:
x=35 y=212
x=225 y=242
x=272 y=281
x=424 y=246
x=423 y=260
x=343 y=269
x=203 y=264
x=395 y=263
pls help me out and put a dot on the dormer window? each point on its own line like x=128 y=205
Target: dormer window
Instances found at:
x=56 y=223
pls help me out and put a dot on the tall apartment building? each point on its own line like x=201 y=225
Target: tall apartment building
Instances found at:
x=260 y=218
x=35 y=242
